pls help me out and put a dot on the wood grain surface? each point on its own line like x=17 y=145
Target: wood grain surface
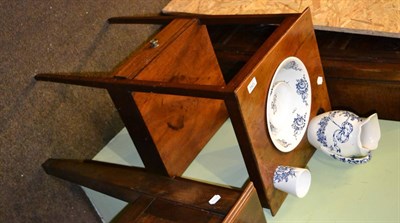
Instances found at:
x=155 y=198
x=179 y=125
x=374 y=17
x=294 y=37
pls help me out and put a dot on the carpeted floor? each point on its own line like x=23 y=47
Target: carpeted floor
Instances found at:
x=39 y=120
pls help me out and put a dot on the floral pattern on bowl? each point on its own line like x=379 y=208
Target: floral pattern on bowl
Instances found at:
x=288 y=113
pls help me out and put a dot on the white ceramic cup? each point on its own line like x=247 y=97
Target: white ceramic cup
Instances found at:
x=292 y=180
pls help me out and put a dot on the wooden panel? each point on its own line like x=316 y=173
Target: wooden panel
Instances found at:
x=247 y=208
x=294 y=38
x=180 y=126
x=364 y=87
x=234 y=44
x=378 y=17
x=154 y=198
x=128 y=183
x=350 y=62
x=364 y=96
x=145 y=55
x=132 y=211
x=159 y=211
x=162 y=211
x=136 y=127
x=362 y=72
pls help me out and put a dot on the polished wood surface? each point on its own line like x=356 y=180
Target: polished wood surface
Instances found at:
x=247 y=208
x=154 y=198
x=294 y=37
x=145 y=55
x=362 y=72
x=197 y=66
x=181 y=126
x=169 y=130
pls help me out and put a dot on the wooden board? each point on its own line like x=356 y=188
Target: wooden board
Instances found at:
x=154 y=198
x=180 y=126
x=362 y=72
x=373 y=17
x=294 y=37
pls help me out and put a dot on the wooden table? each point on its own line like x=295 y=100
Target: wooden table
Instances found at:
x=172 y=102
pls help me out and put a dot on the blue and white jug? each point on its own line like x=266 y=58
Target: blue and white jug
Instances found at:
x=345 y=136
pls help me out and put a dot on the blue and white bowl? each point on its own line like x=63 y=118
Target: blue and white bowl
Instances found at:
x=288 y=104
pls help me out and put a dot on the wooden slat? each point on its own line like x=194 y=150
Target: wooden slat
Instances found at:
x=164 y=211
x=132 y=212
x=154 y=198
x=136 y=127
x=247 y=209
x=133 y=85
x=128 y=183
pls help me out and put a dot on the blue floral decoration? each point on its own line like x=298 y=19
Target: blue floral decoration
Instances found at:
x=352 y=160
x=321 y=136
x=302 y=89
x=292 y=65
x=340 y=135
x=273 y=104
x=283 y=142
x=282 y=174
x=298 y=124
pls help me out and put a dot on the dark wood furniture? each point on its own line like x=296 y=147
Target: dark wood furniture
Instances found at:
x=362 y=73
x=176 y=91
x=167 y=126
x=155 y=198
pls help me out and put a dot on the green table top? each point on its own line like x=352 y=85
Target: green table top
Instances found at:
x=339 y=192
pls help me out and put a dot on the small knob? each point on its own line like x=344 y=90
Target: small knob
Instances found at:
x=154 y=43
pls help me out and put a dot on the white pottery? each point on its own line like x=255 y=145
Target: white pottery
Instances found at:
x=282 y=107
x=292 y=180
x=288 y=104
x=345 y=136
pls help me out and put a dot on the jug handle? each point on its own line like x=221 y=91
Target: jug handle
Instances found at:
x=350 y=160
